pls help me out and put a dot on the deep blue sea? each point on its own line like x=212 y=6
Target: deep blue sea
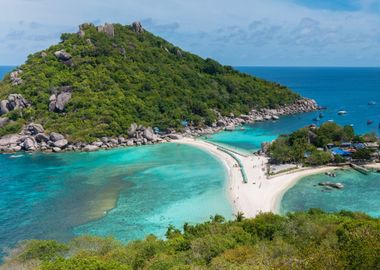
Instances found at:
x=349 y=89
x=62 y=195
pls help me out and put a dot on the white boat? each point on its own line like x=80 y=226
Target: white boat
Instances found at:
x=342 y=112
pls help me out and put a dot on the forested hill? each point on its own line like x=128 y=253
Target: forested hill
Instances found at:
x=100 y=80
x=313 y=240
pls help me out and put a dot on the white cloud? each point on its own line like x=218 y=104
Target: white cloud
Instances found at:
x=240 y=32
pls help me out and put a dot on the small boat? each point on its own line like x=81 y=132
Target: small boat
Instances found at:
x=322 y=108
x=369 y=122
x=371 y=103
x=342 y=112
x=316 y=119
x=352 y=125
x=331 y=121
x=242 y=128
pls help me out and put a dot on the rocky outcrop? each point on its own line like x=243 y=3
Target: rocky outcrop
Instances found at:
x=137 y=27
x=90 y=148
x=3 y=121
x=132 y=130
x=29 y=144
x=149 y=134
x=35 y=129
x=62 y=55
x=4 y=107
x=34 y=138
x=15 y=77
x=42 y=138
x=61 y=143
x=14 y=102
x=107 y=28
x=54 y=137
x=59 y=99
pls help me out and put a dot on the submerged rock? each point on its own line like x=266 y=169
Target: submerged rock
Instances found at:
x=333 y=185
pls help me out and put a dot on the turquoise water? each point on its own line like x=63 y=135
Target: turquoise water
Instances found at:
x=63 y=195
x=361 y=194
x=347 y=89
x=59 y=196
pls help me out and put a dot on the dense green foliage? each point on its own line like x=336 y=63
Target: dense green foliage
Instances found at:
x=305 y=145
x=313 y=240
x=135 y=77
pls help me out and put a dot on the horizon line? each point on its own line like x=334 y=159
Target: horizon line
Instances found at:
x=257 y=66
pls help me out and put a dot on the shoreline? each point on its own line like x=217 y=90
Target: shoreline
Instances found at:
x=261 y=194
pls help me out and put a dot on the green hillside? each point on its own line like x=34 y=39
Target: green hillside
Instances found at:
x=313 y=240
x=117 y=75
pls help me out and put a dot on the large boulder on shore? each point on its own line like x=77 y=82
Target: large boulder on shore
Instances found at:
x=132 y=130
x=42 y=137
x=35 y=129
x=175 y=136
x=56 y=137
x=90 y=148
x=29 y=144
x=61 y=143
x=10 y=139
x=149 y=134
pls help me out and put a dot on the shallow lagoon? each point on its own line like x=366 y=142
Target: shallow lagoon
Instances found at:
x=360 y=194
x=126 y=193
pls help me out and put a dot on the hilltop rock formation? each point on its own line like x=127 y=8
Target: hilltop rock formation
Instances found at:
x=137 y=27
x=107 y=28
x=136 y=77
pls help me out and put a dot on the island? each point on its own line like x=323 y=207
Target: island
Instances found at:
x=113 y=85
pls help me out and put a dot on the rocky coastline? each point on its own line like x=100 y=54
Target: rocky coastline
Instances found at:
x=34 y=138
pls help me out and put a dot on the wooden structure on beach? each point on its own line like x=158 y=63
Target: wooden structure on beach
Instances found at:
x=243 y=173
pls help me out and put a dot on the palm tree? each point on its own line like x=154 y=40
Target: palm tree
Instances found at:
x=239 y=216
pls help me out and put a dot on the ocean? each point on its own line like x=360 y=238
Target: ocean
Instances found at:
x=349 y=89
x=128 y=193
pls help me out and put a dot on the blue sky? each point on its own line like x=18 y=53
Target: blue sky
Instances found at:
x=239 y=32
